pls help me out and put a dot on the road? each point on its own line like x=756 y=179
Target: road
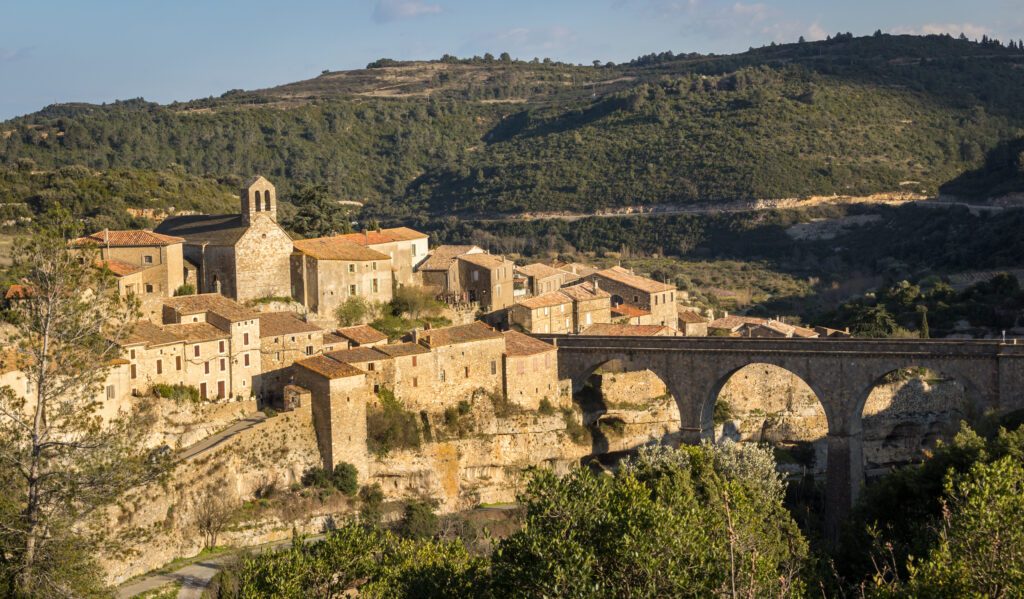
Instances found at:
x=214 y=440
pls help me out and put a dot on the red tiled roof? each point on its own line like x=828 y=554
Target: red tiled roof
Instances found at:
x=357 y=355
x=489 y=261
x=362 y=334
x=211 y=302
x=691 y=317
x=384 y=236
x=584 y=292
x=519 y=344
x=273 y=324
x=332 y=369
x=546 y=300
x=540 y=271
x=337 y=248
x=629 y=310
x=195 y=332
x=127 y=238
x=628 y=330
x=623 y=276
x=120 y=268
x=442 y=256
x=466 y=333
x=397 y=350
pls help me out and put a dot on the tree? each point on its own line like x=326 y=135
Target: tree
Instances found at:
x=415 y=301
x=923 y=311
x=345 y=478
x=317 y=215
x=505 y=57
x=697 y=522
x=419 y=521
x=212 y=514
x=60 y=462
x=352 y=311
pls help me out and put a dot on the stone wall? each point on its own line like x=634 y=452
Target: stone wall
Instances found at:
x=262 y=257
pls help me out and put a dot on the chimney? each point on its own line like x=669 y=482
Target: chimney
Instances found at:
x=597 y=285
x=725 y=314
x=426 y=326
x=366 y=236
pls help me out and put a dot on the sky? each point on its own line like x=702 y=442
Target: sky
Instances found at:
x=54 y=51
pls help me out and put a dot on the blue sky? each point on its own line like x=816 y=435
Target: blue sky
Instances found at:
x=163 y=50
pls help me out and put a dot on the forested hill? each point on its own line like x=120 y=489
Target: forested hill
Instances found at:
x=844 y=116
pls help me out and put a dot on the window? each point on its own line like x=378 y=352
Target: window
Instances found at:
x=467 y=372
x=159 y=366
x=245 y=359
x=245 y=339
x=476 y=275
x=177 y=362
x=415 y=382
x=110 y=392
x=131 y=354
x=352 y=290
x=588 y=318
x=147 y=259
x=373 y=266
x=370 y=367
x=266 y=200
x=277 y=356
x=195 y=351
x=221 y=346
x=206 y=367
x=636 y=299
x=494 y=367
x=351 y=267
x=414 y=360
x=223 y=364
x=149 y=288
x=440 y=376
x=309 y=350
x=497 y=290
x=546 y=311
x=655 y=300
x=133 y=373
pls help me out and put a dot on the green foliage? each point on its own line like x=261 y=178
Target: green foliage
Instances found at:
x=317 y=215
x=391 y=426
x=315 y=476
x=345 y=478
x=697 y=522
x=396 y=327
x=415 y=302
x=371 y=501
x=178 y=393
x=352 y=311
x=722 y=412
x=185 y=289
x=574 y=428
x=546 y=408
x=419 y=521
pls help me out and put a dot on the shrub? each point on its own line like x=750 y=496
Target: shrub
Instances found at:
x=178 y=393
x=419 y=521
x=345 y=478
x=185 y=289
x=371 y=501
x=464 y=407
x=722 y=412
x=316 y=476
x=391 y=426
x=546 y=407
x=578 y=433
x=352 y=312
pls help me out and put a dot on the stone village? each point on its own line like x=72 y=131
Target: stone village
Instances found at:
x=260 y=333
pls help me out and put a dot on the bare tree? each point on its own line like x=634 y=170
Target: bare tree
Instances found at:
x=213 y=512
x=60 y=463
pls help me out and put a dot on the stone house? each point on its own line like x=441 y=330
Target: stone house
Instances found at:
x=692 y=324
x=630 y=314
x=630 y=330
x=339 y=396
x=486 y=279
x=541 y=278
x=147 y=264
x=575 y=271
x=243 y=256
x=465 y=358
x=284 y=338
x=378 y=366
x=647 y=294
x=531 y=371
x=414 y=376
x=440 y=270
x=327 y=271
x=406 y=248
x=549 y=312
x=590 y=305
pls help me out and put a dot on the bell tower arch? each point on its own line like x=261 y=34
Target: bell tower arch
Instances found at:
x=258 y=197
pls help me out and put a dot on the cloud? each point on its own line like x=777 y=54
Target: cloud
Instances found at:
x=531 y=41
x=969 y=29
x=12 y=54
x=386 y=11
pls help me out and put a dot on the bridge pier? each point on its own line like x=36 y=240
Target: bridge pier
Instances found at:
x=843 y=479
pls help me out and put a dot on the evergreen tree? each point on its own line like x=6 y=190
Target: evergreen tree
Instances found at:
x=317 y=215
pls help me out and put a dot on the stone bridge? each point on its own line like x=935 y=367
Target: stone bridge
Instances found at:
x=841 y=372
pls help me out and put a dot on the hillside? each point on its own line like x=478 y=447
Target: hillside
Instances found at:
x=846 y=116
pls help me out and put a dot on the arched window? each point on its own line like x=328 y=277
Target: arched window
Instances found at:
x=266 y=201
x=257 y=201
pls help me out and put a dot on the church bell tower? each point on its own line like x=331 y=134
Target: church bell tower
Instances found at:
x=258 y=197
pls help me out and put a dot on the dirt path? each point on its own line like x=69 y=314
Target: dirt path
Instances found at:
x=214 y=440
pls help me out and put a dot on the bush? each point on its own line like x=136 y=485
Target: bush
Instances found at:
x=578 y=433
x=178 y=393
x=419 y=521
x=371 y=501
x=391 y=426
x=546 y=408
x=316 y=476
x=185 y=289
x=352 y=311
x=345 y=478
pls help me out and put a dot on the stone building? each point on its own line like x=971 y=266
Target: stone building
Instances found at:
x=361 y=335
x=465 y=358
x=541 y=278
x=630 y=314
x=440 y=270
x=283 y=340
x=752 y=326
x=692 y=324
x=327 y=271
x=405 y=247
x=546 y=313
x=207 y=341
x=243 y=256
x=590 y=305
x=647 y=294
x=147 y=264
x=414 y=374
x=531 y=371
x=339 y=396
x=487 y=279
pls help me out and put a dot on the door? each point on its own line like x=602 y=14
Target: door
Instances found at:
x=220 y=390
x=202 y=390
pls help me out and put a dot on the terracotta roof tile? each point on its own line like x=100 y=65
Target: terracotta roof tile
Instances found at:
x=397 y=350
x=337 y=248
x=442 y=256
x=546 y=300
x=332 y=369
x=734 y=322
x=540 y=271
x=489 y=261
x=334 y=339
x=466 y=333
x=691 y=317
x=629 y=310
x=385 y=236
x=197 y=229
x=628 y=330
x=623 y=276
x=518 y=344
x=127 y=238
x=121 y=268
x=195 y=332
x=362 y=334
x=145 y=332
x=274 y=324
x=211 y=302
x=584 y=292
x=358 y=355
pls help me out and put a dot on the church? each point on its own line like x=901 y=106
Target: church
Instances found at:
x=243 y=256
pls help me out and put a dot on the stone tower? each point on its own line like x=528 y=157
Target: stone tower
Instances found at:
x=259 y=197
